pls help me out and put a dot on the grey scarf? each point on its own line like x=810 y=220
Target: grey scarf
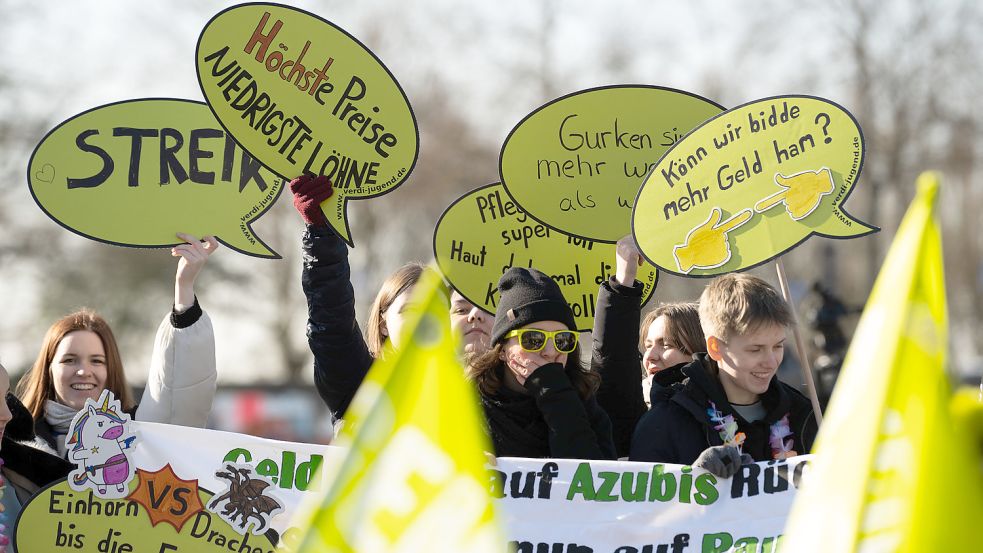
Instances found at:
x=60 y=417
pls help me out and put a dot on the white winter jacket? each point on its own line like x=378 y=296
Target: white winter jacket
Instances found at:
x=181 y=383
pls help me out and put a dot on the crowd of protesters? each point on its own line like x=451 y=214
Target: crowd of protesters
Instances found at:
x=689 y=384
x=713 y=399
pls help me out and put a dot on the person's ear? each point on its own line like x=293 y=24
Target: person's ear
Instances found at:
x=383 y=329
x=714 y=348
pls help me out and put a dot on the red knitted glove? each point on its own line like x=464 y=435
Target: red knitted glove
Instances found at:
x=309 y=191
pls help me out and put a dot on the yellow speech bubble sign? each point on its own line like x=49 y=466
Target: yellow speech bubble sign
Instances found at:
x=304 y=96
x=59 y=518
x=749 y=185
x=484 y=233
x=134 y=173
x=576 y=163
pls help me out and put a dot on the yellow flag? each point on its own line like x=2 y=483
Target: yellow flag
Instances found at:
x=892 y=471
x=413 y=477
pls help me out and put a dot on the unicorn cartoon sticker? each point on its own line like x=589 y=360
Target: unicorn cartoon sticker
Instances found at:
x=98 y=442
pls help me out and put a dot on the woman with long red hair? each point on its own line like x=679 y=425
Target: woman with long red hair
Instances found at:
x=79 y=358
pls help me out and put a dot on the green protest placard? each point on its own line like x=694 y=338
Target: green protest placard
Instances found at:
x=163 y=513
x=304 y=96
x=577 y=162
x=484 y=233
x=134 y=173
x=749 y=185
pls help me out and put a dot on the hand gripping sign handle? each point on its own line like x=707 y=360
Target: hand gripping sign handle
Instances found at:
x=804 y=363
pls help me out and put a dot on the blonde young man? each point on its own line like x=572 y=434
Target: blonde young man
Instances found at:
x=730 y=407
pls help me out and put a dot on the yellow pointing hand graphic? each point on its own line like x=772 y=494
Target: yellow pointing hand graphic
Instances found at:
x=802 y=192
x=706 y=245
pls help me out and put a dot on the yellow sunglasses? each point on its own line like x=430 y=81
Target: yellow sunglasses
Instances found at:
x=533 y=339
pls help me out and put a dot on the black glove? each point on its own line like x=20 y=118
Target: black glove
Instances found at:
x=722 y=460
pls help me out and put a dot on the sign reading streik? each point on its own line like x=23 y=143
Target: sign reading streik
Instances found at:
x=304 y=96
x=137 y=172
x=749 y=185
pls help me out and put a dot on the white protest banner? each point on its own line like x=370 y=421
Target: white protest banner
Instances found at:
x=624 y=507
x=291 y=467
x=218 y=491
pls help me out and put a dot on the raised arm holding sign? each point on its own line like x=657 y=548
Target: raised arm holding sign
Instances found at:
x=79 y=359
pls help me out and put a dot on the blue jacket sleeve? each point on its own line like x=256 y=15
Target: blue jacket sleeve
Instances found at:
x=341 y=357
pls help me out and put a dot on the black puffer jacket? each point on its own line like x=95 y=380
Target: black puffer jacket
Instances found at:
x=549 y=420
x=31 y=461
x=677 y=428
x=341 y=357
x=614 y=356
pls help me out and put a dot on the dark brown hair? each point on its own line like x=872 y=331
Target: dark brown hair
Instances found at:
x=682 y=326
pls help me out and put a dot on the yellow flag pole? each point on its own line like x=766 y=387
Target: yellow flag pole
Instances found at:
x=804 y=363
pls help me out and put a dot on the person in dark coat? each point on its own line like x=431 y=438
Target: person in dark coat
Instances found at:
x=730 y=408
x=29 y=463
x=342 y=356
x=669 y=336
x=679 y=428
x=538 y=399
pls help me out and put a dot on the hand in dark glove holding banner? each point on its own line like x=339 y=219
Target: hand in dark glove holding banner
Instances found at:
x=309 y=191
x=722 y=460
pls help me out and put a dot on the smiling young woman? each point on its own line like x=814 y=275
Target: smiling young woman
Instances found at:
x=79 y=359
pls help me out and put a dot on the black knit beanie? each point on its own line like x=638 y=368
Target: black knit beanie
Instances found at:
x=528 y=296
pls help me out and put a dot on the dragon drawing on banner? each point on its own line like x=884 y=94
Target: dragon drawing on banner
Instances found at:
x=246 y=498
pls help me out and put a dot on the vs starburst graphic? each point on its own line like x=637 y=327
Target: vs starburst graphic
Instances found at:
x=166 y=497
